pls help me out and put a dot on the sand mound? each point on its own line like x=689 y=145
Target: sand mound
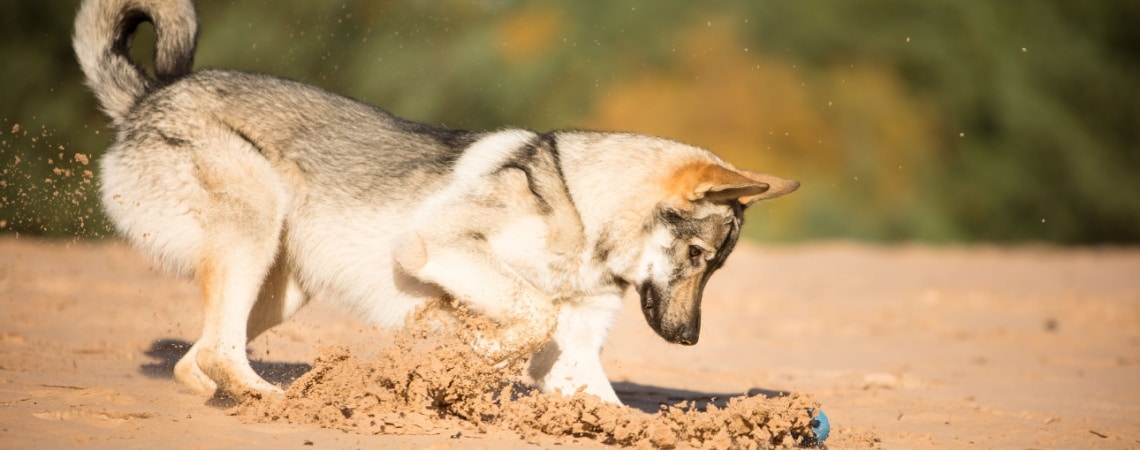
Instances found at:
x=425 y=386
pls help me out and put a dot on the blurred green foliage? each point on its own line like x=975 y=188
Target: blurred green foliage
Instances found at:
x=939 y=120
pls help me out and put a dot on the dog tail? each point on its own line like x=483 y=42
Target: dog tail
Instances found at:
x=102 y=42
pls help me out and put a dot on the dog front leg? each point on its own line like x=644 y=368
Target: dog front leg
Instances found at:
x=572 y=359
x=472 y=275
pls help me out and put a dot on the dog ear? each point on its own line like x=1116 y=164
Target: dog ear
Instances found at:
x=716 y=183
x=776 y=187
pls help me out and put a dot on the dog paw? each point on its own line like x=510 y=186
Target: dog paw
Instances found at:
x=187 y=372
x=410 y=253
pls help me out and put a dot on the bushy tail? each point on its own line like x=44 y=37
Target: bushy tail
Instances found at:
x=103 y=30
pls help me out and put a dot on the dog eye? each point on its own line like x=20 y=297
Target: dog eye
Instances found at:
x=695 y=254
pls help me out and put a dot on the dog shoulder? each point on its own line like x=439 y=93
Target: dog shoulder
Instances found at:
x=507 y=191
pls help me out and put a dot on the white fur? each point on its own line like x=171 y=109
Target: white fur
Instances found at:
x=570 y=360
x=653 y=263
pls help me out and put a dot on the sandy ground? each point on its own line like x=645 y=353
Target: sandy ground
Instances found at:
x=916 y=347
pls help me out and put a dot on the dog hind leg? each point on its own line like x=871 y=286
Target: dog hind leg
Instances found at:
x=279 y=299
x=239 y=265
x=230 y=284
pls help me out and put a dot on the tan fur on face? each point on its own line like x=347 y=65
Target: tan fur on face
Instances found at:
x=682 y=306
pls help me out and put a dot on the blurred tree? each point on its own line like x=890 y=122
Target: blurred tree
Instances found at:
x=1036 y=106
x=940 y=120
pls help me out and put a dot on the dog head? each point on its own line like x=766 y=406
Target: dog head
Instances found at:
x=689 y=237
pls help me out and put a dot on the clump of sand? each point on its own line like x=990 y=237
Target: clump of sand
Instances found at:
x=440 y=386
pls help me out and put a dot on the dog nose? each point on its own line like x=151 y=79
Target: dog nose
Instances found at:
x=689 y=335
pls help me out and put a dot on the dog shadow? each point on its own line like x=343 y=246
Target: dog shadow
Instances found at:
x=165 y=353
x=650 y=399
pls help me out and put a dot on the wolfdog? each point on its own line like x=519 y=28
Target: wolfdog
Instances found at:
x=270 y=192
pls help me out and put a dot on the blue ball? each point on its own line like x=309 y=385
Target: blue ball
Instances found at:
x=820 y=426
